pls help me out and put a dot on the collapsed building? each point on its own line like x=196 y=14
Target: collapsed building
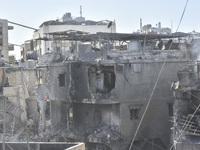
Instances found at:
x=97 y=91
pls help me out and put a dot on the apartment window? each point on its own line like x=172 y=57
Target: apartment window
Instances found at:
x=109 y=81
x=102 y=80
x=134 y=111
x=134 y=114
x=0 y=30
x=61 y=79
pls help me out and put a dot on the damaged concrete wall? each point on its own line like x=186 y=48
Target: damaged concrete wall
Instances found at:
x=16 y=96
x=53 y=96
x=155 y=124
x=134 y=92
x=59 y=76
x=97 y=123
x=27 y=78
x=79 y=76
x=96 y=114
x=59 y=115
x=32 y=106
x=86 y=53
x=19 y=85
x=131 y=85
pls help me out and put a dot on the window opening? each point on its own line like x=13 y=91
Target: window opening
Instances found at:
x=61 y=79
x=101 y=80
x=134 y=111
x=170 y=106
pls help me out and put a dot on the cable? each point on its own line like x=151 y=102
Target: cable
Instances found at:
x=182 y=16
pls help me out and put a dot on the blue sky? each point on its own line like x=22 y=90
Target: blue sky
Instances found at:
x=126 y=13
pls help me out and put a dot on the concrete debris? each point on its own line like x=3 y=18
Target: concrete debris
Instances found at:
x=105 y=134
x=48 y=58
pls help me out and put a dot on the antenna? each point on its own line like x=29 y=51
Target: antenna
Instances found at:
x=171 y=26
x=80 y=11
x=140 y=24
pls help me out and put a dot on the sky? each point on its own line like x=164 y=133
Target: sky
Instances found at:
x=126 y=13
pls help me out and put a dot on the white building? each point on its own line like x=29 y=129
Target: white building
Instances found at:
x=68 y=23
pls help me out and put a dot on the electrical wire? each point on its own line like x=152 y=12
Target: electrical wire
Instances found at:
x=182 y=16
x=156 y=83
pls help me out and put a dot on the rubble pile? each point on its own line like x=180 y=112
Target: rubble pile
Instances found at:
x=105 y=133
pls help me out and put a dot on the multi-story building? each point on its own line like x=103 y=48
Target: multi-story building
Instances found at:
x=67 y=23
x=99 y=95
x=156 y=30
x=4 y=47
x=107 y=95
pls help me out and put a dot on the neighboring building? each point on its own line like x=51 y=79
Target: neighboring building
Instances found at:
x=67 y=23
x=4 y=47
x=156 y=30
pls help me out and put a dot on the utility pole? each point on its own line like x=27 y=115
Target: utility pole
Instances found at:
x=171 y=26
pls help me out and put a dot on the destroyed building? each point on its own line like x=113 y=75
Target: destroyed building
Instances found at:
x=96 y=91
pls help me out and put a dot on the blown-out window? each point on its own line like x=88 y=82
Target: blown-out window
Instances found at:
x=102 y=80
x=135 y=111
